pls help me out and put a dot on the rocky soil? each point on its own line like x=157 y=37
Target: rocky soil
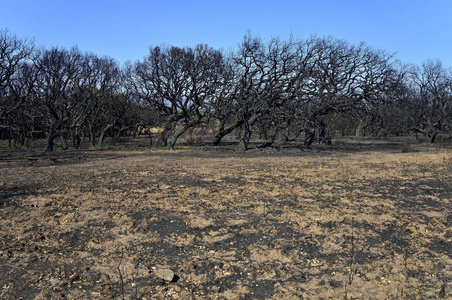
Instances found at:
x=206 y=224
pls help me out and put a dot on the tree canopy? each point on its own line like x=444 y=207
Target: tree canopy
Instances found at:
x=281 y=90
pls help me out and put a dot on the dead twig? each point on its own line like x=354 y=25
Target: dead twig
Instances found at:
x=121 y=279
x=352 y=256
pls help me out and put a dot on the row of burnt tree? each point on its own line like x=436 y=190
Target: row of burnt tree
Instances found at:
x=282 y=90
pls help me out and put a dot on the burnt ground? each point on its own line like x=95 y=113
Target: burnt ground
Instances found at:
x=371 y=223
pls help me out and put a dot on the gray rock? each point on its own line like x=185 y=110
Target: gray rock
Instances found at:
x=165 y=274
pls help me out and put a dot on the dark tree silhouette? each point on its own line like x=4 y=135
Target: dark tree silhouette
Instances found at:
x=181 y=83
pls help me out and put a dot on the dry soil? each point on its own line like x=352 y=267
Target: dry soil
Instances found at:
x=290 y=224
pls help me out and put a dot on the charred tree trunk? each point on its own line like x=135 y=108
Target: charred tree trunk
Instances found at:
x=76 y=140
x=92 y=137
x=245 y=140
x=50 y=142
x=247 y=132
x=263 y=132
x=170 y=125
x=117 y=135
x=100 y=143
x=310 y=137
x=223 y=132
x=64 y=142
x=173 y=138
x=433 y=137
x=323 y=137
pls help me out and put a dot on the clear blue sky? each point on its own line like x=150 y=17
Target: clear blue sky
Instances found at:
x=416 y=30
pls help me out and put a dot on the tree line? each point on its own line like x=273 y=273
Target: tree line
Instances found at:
x=281 y=90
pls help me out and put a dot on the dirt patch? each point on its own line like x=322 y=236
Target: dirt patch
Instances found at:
x=292 y=224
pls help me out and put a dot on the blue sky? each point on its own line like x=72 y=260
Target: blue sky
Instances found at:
x=415 y=30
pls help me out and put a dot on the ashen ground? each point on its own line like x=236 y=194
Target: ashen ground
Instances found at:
x=277 y=225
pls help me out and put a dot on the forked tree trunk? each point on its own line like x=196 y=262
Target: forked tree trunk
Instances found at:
x=247 y=132
x=170 y=125
x=245 y=140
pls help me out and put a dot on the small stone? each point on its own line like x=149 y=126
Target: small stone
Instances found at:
x=165 y=274
x=176 y=288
